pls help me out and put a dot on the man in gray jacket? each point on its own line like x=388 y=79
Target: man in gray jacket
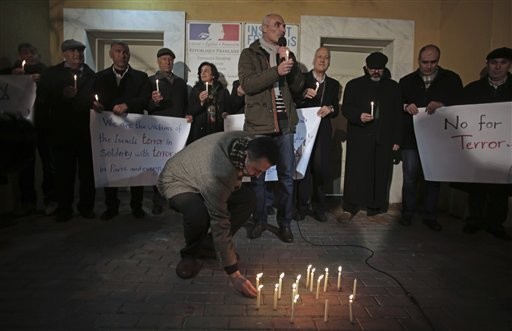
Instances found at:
x=269 y=74
x=203 y=182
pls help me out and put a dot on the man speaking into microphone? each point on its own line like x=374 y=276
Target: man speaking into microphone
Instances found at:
x=270 y=75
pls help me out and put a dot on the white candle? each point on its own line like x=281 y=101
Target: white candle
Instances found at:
x=326 y=309
x=318 y=285
x=157 y=85
x=258 y=298
x=207 y=87
x=275 y=296
x=307 y=275
x=355 y=288
x=297 y=282
x=350 y=308
x=287 y=55
x=258 y=276
x=371 y=108
x=339 y=278
x=312 y=279
x=325 y=279
x=317 y=86
x=96 y=97
x=280 y=284
x=23 y=65
x=294 y=290
x=293 y=307
x=75 y=78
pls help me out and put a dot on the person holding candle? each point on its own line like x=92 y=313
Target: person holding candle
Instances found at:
x=371 y=140
x=208 y=101
x=430 y=87
x=58 y=101
x=122 y=90
x=203 y=183
x=323 y=92
x=169 y=97
x=269 y=81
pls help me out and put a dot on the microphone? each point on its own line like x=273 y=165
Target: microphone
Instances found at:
x=281 y=41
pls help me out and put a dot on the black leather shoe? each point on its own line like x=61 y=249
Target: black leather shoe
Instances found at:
x=256 y=230
x=500 y=233
x=138 y=213
x=188 y=267
x=320 y=216
x=300 y=215
x=285 y=233
x=405 y=221
x=87 y=213
x=433 y=225
x=109 y=214
x=63 y=216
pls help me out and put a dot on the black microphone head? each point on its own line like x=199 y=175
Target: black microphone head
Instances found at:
x=281 y=41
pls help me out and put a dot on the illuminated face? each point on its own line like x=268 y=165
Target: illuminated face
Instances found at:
x=206 y=74
x=375 y=74
x=273 y=28
x=498 y=69
x=255 y=168
x=322 y=60
x=165 y=63
x=74 y=57
x=120 y=55
x=428 y=61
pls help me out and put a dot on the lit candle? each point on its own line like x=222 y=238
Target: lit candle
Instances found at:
x=75 y=77
x=339 y=278
x=317 y=86
x=297 y=283
x=96 y=97
x=207 y=87
x=326 y=310
x=23 y=65
x=325 y=279
x=287 y=55
x=280 y=284
x=307 y=275
x=275 y=296
x=157 y=85
x=350 y=299
x=318 y=285
x=371 y=108
x=294 y=290
x=312 y=279
x=258 y=298
x=258 y=276
x=355 y=288
x=293 y=307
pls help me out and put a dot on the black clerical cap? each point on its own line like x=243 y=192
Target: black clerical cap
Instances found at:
x=376 y=60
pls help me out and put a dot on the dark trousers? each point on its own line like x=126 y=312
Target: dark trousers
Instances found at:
x=47 y=164
x=112 y=202
x=488 y=204
x=70 y=158
x=196 y=219
x=27 y=181
x=411 y=167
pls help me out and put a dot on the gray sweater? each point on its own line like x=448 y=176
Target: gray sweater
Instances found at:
x=205 y=167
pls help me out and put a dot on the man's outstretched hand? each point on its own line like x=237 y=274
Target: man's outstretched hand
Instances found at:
x=243 y=285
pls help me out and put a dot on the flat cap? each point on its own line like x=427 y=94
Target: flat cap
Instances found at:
x=376 y=60
x=165 y=51
x=500 y=53
x=71 y=44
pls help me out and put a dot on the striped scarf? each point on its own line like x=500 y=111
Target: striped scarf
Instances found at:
x=238 y=152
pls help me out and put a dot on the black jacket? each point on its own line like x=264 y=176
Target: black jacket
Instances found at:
x=175 y=93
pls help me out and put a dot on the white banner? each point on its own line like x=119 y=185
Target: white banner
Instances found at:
x=469 y=143
x=17 y=94
x=303 y=139
x=131 y=150
x=252 y=32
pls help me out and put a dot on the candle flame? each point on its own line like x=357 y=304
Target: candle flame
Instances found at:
x=327 y=270
x=260 y=287
x=23 y=63
x=298 y=277
x=320 y=277
x=296 y=298
x=351 y=297
x=96 y=97
x=309 y=267
x=258 y=276
x=276 y=286
x=339 y=268
x=313 y=270
x=281 y=275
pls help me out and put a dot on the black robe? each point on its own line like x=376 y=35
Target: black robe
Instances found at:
x=369 y=159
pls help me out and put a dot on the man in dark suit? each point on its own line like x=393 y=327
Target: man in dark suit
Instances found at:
x=122 y=89
x=324 y=92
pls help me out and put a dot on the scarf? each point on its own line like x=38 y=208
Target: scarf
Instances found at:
x=271 y=49
x=238 y=152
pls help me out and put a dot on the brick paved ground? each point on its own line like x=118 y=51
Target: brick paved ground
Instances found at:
x=120 y=275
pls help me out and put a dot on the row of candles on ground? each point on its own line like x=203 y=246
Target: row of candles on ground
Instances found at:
x=310 y=278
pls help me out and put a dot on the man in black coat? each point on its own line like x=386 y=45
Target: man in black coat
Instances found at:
x=488 y=203
x=122 y=89
x=432 y=87
x=324 y=92
x=63 y=101
x=372 y=106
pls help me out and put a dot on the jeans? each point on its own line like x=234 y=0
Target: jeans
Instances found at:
x=285 y=170
x=411 y=167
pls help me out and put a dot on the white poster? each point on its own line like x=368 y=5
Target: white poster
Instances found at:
x=131 y=150
x=303 y=139
x=17 y=94
x=218 y=43
x=469 y=143
x=252 y=32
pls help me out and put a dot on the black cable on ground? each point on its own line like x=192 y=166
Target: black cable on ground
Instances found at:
x=372 y=253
